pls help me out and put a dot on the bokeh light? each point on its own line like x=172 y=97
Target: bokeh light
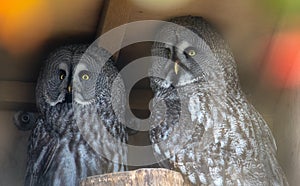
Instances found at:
x=24 y=24
x=288 y=7
x=283 y=65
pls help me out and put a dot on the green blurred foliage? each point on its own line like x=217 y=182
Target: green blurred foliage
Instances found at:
x=286 y=7
x=293 y=7
x=276 y=5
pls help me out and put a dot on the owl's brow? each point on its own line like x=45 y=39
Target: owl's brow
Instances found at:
x=81 y=67
x=63 y=66
x=183 y=45
x=176 y=35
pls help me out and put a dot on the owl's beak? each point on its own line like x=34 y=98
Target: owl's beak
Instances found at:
x=176 y=67
x=69 y=89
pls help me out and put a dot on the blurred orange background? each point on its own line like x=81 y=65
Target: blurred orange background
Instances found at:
x=26 y=24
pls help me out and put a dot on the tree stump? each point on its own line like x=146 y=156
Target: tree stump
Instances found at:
x=140 y=177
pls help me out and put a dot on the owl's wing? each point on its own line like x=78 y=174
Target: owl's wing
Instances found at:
x=159 y=155
x=41 y=150
x=159 y=134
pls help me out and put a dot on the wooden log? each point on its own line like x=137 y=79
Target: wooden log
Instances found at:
x=145 y=177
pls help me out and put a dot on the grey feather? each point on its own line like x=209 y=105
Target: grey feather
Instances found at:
x=59 y=152
x=202 y=123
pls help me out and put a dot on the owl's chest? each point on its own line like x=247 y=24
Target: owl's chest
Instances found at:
x=73 y=160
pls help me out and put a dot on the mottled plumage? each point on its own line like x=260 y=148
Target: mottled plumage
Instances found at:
x=202 y=123
x=74 y=100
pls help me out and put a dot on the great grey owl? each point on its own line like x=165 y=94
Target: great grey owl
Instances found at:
x=201 y=122
x=74 y=99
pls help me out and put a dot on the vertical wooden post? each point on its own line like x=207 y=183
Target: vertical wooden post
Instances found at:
x=116 y=13
x=287 y=133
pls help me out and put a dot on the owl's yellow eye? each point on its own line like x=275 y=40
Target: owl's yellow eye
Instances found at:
x=85 y=77
x=168 y=53
x=62 y=74
x=192 y=53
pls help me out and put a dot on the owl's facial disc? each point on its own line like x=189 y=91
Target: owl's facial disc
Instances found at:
x=57 y=85
x=181 y=71
x=84 y=85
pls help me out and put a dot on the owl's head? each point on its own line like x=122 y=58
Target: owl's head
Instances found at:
x=93 y=76
x=191 y=51
x=70 y=75
x=54 y=85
